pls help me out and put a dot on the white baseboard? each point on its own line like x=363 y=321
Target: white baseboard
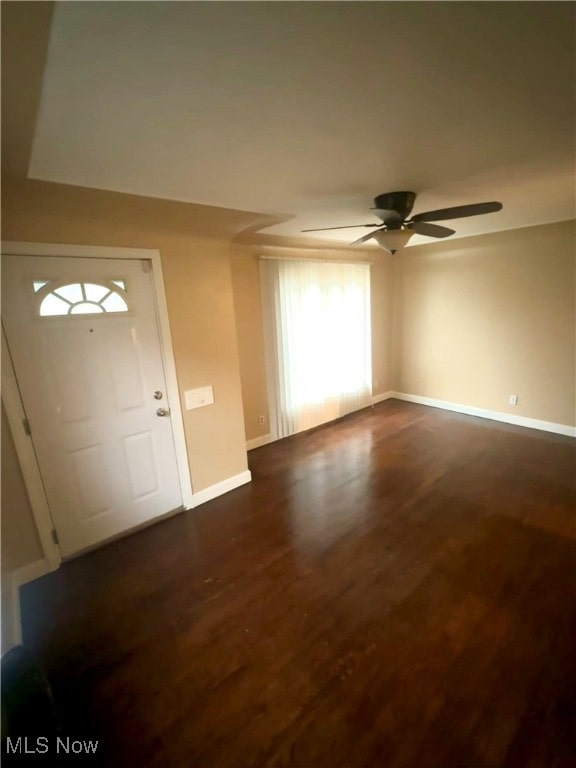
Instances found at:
x=213 y=491
x=257 y=442
x=384 y=396
x=484 y=413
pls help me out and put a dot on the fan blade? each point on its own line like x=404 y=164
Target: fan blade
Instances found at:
x=347 y=226
x=364 y=238
x=388 y=216
x=459 y=212
x=430 y=230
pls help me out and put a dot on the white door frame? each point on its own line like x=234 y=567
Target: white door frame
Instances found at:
x=13 y=403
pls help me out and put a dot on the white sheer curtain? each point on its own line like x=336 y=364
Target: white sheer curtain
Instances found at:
x=318 y=341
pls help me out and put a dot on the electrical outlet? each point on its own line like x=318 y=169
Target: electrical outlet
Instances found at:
x=261 y=420
x=513 y=399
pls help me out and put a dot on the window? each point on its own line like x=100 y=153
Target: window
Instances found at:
x=80 y=298
x=319 y=341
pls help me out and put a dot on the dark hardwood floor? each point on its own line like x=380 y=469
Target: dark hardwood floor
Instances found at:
x=397 y=589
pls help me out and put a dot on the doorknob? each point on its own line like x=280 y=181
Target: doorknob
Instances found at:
x=162 y=412
x=158 y=395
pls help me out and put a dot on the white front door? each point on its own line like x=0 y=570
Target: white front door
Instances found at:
x=84 y=342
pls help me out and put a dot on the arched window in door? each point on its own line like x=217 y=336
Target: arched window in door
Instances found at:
x=81 y=298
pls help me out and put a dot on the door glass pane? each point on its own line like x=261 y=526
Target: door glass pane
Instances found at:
x=37 y=284
x=119 y=283
x=71 y=293
x=115 y=303
x=95 y=292
x=52 y=305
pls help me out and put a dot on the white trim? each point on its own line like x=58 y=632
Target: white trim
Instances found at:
x=30 y=572
x=384 y=396
x=27 y=459
x=15 y=411
x=484 y=413
x=172 y=389
x=11 y=623
x=11 y=248
x=257 y=442
x=218 y=489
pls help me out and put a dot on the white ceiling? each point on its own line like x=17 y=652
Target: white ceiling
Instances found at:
x=308 y=110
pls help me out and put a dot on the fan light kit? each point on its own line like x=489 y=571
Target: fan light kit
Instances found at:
x=396 y=227
x=392 y=239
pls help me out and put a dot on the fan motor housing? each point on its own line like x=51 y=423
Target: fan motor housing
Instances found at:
x=401 y=202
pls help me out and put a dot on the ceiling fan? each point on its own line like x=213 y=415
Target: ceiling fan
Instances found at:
x=396 y=227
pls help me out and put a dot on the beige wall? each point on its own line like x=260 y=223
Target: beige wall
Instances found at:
x=478 y=319
x=249 y=328
x=382 y=302
x=196 y=267
x=247 y=302
x=20 y=543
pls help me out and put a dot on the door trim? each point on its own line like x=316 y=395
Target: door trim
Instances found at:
x=27 y=460
x=15 y=411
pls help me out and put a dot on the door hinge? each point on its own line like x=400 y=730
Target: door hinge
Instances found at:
x=26 y=425
x=146 y=265
x=55 y=536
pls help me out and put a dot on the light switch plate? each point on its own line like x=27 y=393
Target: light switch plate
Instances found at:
x=198 y=398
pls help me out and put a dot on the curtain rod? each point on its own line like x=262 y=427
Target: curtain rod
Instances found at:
x=318 y=261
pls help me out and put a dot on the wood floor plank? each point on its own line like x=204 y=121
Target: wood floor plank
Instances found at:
x=396 y=589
